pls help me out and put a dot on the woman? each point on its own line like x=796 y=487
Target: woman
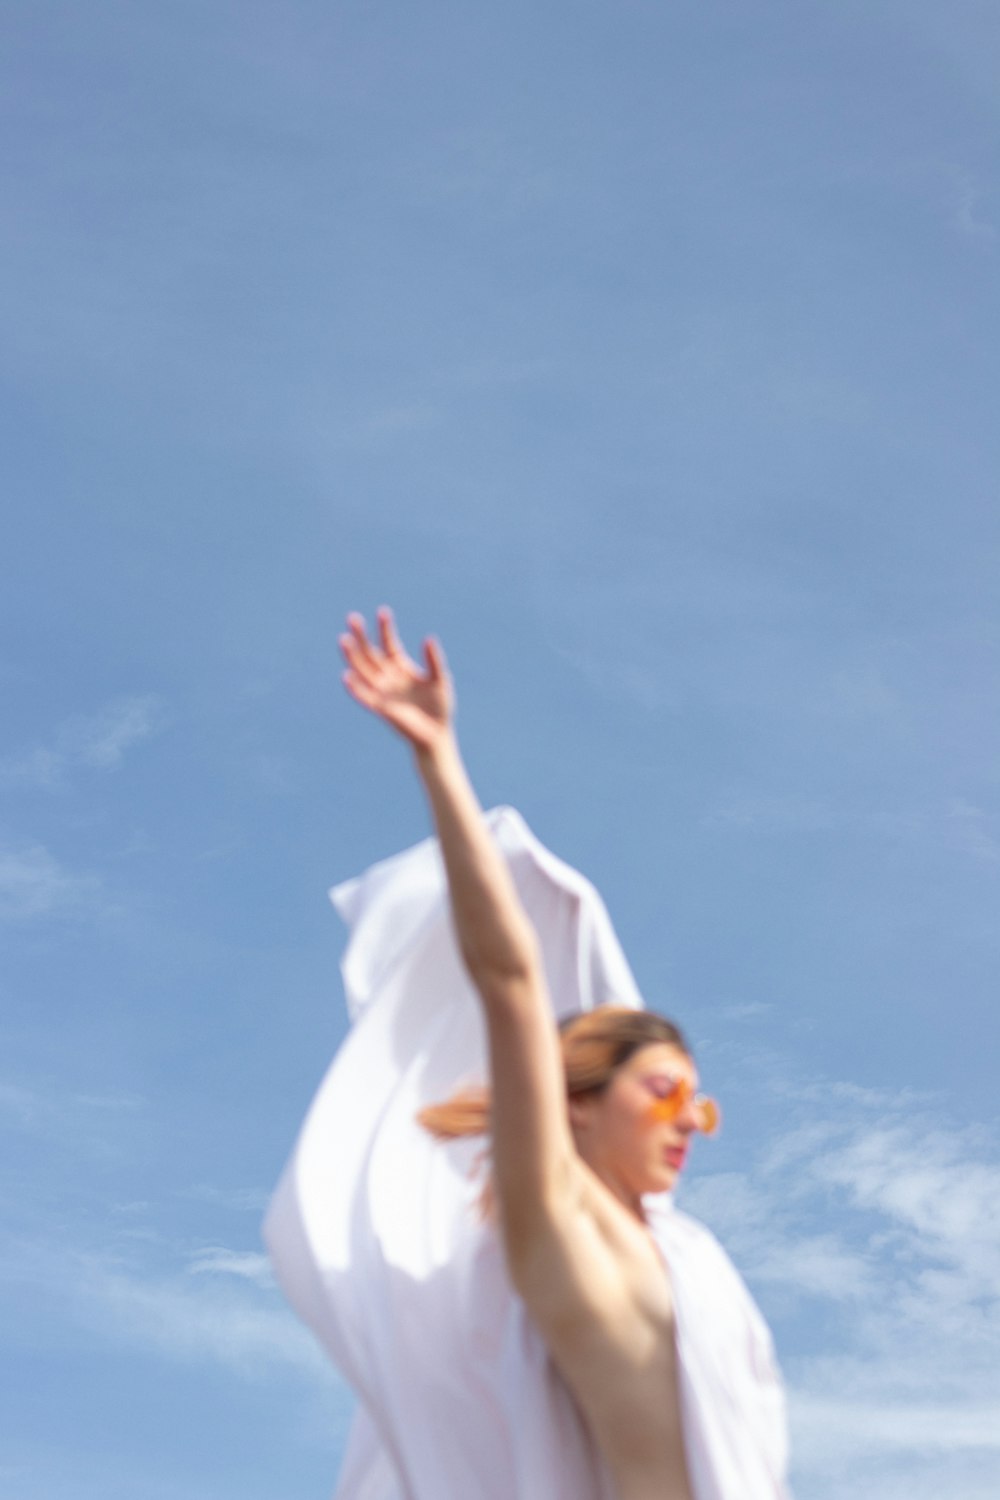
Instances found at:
x=648 y=1371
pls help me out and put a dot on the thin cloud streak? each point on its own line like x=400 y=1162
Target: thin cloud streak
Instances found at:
x=216 y=1260
x=909 y=1260
x=234 y=1321
x=958 y=825
x=239 y=1200
x=206 y=1322
x=54 y=1109
x=35 y=886
x=97 y=741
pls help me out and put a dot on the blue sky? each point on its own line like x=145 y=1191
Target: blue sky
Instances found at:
x=648 y=355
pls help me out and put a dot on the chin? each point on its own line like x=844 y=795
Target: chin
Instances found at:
x=663 y=1181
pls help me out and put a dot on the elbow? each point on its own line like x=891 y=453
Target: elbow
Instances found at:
x=516 y=959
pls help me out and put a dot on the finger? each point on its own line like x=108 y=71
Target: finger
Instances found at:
x=360 y=690
x=359 y=631
x=356 y=624
x=437 y=667
x=358 y=662
x=391 y=644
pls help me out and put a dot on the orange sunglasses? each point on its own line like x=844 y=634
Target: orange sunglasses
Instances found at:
x=708 y=1116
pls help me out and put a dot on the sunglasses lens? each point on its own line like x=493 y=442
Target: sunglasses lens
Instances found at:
x=707 y=1114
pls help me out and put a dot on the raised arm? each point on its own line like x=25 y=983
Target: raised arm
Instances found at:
x=532 y=1146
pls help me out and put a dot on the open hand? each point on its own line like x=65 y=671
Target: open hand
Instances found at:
x=419 y=704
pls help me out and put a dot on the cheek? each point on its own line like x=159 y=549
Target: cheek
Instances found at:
x=660 y=1111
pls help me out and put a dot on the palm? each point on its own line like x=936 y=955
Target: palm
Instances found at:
x=418 y=704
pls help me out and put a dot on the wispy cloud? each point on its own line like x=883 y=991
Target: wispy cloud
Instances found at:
x=101 y=740
x=79 y=1121
x=240 y=1200
x=862 y=694
x=968 y=206
x=786 y=814
x=34 y=885
x=98 y=741
x=972 y=830
x=216 y=1260
x=955 y=824
x=235 y=1320
x=750 y=1010
x=372 y=427
x=888 y=1215
x=220 y=1320
x=628 y=681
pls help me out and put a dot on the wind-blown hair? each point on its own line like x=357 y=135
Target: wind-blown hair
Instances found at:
x=594 y=1045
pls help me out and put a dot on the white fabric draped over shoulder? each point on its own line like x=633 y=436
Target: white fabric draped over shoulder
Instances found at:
x=376 y=1239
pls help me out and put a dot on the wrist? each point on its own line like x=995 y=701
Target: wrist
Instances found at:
x=439 y=754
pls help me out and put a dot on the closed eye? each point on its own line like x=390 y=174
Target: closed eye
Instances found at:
x=663 y=1086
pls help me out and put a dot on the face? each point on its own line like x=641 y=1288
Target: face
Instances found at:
x=635 y=1135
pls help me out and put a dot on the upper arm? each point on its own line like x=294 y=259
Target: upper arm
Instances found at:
x=534 y=1157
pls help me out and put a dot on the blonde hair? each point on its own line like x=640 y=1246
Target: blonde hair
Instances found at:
x=594 y=1045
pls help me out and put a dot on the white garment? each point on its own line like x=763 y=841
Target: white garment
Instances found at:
x=375 y=1237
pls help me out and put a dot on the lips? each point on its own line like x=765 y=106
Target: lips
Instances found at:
x=675 y=1156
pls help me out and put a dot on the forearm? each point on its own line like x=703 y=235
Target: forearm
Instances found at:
x=494 y=934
